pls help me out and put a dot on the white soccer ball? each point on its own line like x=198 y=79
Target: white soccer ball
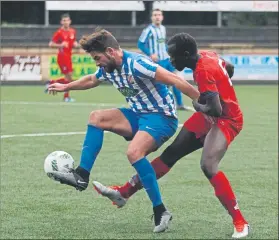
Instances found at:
x=58 y=161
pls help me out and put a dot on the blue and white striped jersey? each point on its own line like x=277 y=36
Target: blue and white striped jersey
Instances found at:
x=136 y=81
x=155 y=39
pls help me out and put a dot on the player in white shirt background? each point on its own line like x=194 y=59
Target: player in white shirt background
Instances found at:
x=152 y=42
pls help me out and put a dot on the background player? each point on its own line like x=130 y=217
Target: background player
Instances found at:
x=214 y=126
x=64 y=39
x=149 y=123
x=152 y=42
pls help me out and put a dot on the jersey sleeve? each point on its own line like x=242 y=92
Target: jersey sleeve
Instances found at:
x=100 y=75
x=144 y=35
x=56 y=37
x=75 y=35
x=205 y=81
x=144 y=68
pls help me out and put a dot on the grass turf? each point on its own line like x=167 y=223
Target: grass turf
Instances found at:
x=33 y=206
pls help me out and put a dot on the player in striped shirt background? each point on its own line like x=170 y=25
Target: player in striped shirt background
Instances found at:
x=152 y=42
x=149 y=122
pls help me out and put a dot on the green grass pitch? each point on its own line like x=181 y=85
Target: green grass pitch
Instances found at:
x=34 y=206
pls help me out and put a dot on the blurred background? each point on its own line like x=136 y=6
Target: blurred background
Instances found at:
x=243 y=32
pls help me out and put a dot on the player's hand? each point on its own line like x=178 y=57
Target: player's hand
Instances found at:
x=154 y=57
x=64 y=44
x=56 y=87
x=196 y=105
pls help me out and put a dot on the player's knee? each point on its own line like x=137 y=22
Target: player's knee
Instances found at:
x=134 y=154
x=96 y=118
x=209 y=168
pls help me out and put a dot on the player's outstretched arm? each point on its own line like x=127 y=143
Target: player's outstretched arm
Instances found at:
x=57 y=45
x=212 y=107
x=86 y=82
x=169 y=78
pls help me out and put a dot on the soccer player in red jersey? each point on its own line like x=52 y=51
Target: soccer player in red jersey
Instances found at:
x=213 y=127
x=64 y=39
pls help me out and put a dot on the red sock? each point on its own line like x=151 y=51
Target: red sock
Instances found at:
x=66 y=95
x=62 y=80
x=224 y=193
x=132 y=186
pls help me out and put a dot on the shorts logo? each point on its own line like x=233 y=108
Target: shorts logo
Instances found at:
x=147 y=127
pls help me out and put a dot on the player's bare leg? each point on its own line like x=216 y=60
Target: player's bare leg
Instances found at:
x=112 y=120
x=142 y=144
x=215 y=147
x=66 y=97
x=184 y=144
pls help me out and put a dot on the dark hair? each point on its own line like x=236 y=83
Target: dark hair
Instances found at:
x=184 y=42
x=156 y=10
x=98 y=41
x=65 y=15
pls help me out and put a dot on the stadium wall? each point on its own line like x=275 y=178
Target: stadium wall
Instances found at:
x=29 y=65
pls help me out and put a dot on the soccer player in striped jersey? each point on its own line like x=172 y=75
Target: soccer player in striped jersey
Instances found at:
x=217 y=122
x=149 y=122
x=152 y=42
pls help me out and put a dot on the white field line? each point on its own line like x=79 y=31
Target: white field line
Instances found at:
x=62 y=104
x=49 y=134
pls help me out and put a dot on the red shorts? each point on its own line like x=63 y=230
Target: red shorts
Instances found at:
x=200 y=124
x=65 y=64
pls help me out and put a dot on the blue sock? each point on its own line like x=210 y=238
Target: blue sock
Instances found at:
x=178 y=96
x=91 y=147
x=148 y=178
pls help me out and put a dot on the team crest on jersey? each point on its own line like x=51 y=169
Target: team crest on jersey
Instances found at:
x=72 y=36
x=161 y=40
x=128 y=92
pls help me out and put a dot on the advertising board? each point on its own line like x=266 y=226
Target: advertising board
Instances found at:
x=21 y=68
x=249 y=67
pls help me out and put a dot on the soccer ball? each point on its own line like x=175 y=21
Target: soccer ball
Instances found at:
x=58 y=161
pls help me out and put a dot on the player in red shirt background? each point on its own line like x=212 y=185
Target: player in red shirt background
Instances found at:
x=64 y=39
x=213 y=127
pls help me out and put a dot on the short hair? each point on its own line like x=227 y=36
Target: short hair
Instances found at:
x=184 y=42
x=65 y=15
x=156 y=10
x=98 y=41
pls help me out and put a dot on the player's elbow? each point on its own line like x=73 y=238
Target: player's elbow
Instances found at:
x=230 y=69
x=50 y=44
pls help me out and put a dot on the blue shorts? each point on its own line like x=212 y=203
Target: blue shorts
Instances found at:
x=159 y=126
x=166 y=64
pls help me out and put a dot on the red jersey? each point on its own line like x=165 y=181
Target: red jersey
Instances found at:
x=211 y=76
x=62 y=35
